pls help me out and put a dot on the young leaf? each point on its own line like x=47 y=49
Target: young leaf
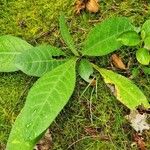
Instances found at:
x=66 y=35
x=147 y=43
x=85 y=69
x=39 y=60
x=102 y=39
x=44 y=102
x=10 y=47
x=129 y=38
x=126 y=91
x=145 y=30
x=143 y=56
x=145 y=34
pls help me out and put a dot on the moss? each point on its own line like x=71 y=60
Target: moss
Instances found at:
x=79 y=126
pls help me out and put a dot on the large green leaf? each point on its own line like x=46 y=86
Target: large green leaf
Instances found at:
x=85 y=69
x=103 y=38
x=125 y=90
x=66 y=35
x=129 y=38
x=143 y=56
x=39 y=60
x=44 y=102
x=10 y=47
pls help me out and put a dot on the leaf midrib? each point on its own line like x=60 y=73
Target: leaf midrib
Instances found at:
x=46 y=101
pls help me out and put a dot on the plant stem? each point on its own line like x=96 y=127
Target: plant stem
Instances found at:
x=75 y=52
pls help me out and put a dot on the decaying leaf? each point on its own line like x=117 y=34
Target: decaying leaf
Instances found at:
x=138 y=121
x=45 y=143
x=90 y=5
x=80 y=5
x=117 y=62
x=139 y=141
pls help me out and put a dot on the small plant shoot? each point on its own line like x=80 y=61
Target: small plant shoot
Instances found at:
x=58 y=71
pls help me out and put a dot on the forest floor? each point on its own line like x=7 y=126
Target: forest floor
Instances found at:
x=94 y=121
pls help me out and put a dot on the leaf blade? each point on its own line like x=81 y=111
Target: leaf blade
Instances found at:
x=66 y=34
x=129 y=38
x=28 y=119
x=103 y=38
x=143 y=56
x=10 y=47
x=39 y=60
x=85 y=69
x=127 y=92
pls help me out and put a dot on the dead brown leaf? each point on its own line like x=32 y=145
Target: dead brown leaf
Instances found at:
x=89 y=5
x=79 y=6
x=92 y=6
x=139 y=141
x=117 y=62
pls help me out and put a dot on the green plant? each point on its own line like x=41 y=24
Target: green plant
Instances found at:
x=141 y=39
x=57 y=72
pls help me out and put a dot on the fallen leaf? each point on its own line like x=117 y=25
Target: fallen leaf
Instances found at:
x=89 y=5
x=45 y=143
x=117 y=62
x=80 y=5
x=92 y=6
x=138 y=121
x=139 y=141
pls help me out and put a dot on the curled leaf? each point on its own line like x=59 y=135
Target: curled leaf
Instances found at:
x=92 y=6
x=79 y=6
x=117 y=62
x=89 y=5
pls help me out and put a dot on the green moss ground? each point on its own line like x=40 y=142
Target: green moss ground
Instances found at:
x=36 y=21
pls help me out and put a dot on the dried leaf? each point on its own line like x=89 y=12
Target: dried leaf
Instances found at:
x=139 y=141
x=138 y=121
x=92 y=6
x=80 y=5
x=117 y=62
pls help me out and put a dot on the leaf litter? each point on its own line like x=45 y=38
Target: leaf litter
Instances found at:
x=89 y=5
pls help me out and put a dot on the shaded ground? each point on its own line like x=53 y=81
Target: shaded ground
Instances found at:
x=93 y=122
